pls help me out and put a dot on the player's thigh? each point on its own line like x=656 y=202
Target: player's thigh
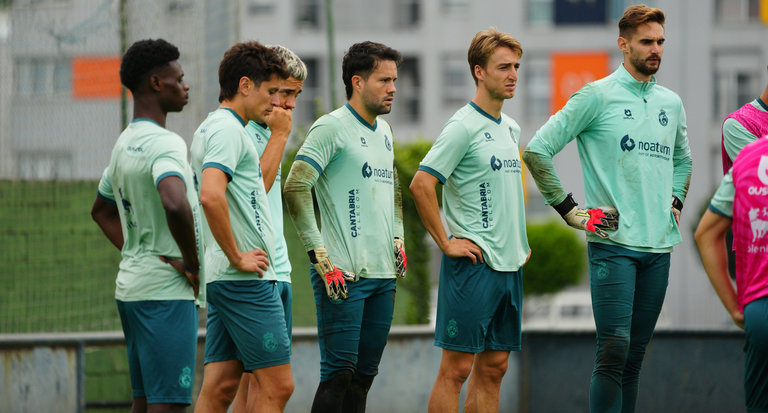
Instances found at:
x=756 y=354
x=377 y=320
x=504 y=332
x=612 y=275
x=286 y=296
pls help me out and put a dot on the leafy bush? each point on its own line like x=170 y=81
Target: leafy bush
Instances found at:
x=558 y=259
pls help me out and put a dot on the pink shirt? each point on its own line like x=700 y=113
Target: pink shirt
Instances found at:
x=753 y=119
x=750 y=221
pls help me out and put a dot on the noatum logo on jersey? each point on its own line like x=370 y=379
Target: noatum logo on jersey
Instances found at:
x=376 y=172
x=646 y=148
x=509 y=164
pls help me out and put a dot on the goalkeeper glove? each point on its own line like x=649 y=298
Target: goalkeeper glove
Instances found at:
x=401 y=261
x=677 y=208
x=594 y=220
x=334 y=279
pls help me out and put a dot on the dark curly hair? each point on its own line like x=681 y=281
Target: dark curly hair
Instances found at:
x=252 y=60
x=144 y=58
x=361 y=59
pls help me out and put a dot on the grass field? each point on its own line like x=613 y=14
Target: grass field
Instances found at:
x=59 y=270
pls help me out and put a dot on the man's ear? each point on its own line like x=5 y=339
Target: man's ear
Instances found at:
x=623 y=44
x=155 y=83
x=245 y=85
x=357 y=82
x=479 y=72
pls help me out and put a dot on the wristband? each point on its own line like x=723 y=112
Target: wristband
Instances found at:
x=566 y=206
x=676 y=203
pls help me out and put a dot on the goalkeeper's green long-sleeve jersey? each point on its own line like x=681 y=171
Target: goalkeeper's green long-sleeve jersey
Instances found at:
x=634 y=154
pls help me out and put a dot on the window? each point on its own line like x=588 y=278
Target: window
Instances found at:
x=737 y=11
x=737 y=80
x=535 y=76
x=454 y=7
x=308 y=14
x=407 y=13
x=261 y=8
x=457 y=80
x=43 y=76
x=570 y=12
x=406 y=107
x=44 y=165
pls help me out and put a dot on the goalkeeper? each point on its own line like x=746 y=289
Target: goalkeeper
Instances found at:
x=635 y=158
x=348 y=158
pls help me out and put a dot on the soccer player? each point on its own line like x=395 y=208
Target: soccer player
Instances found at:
x=270 y=139
x=633 y=146
x=348 y=158
x=741 y=202
x=744 y=126
x=146 y=206
x=480 y=295
x=246 y=322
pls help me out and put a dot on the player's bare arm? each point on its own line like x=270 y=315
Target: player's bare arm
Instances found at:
x=280 y=123
x=710 y=238
x=214 y=201
x=425 y=196
x=107 y=217
x=178 y=213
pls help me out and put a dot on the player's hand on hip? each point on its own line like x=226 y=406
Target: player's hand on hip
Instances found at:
x=677 y=209
x=401 y=261
x=280 y=121
x=462 y=247
x=252 y=261
x=334 y=279
x=596 y=220
x=193 y=276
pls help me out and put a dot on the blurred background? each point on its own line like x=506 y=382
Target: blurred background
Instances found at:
x=62 y=108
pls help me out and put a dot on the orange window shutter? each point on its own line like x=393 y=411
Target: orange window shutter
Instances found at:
x=570 y=71
x=96 y=77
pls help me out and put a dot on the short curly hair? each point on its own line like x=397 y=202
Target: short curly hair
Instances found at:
x=252 y=60
x=362 y=58
x=144 y=58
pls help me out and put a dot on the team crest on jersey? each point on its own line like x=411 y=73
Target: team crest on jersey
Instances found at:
x=512 y=135
x=663 y=120
x=488 y=136
x=453 y=328
x=387 y=144
x=363 y=142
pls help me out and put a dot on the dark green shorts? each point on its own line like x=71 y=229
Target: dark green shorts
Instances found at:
x=478 y=308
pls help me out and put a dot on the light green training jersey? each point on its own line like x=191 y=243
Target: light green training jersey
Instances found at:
x=355 y=190
x=722 y=201
x=222 y=142
x=477 y=158
x=634 y=153
x=260 y=133
x=144 y=154
x=736 y=136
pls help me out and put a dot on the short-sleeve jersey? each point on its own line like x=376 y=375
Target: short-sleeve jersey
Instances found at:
x=222 y=142
x=144 y=154
x=633 y=146
x=260 y=134
x=743 y=196
x=355 y=190
x=477 y=158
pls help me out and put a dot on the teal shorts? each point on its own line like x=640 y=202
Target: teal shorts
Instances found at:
x=246 y=322
x=352 y=333
x=756 y=352
x=161 y=339
x=286 y=296
x=478 y=308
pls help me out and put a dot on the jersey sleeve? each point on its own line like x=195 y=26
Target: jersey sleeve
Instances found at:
x=170 y=160
x=681 y=159
x=105 y=191
x=722 y=201
x=320 y=146
x=223 y=148
x=735 y=137
x=567 y=123
x=448 y=150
